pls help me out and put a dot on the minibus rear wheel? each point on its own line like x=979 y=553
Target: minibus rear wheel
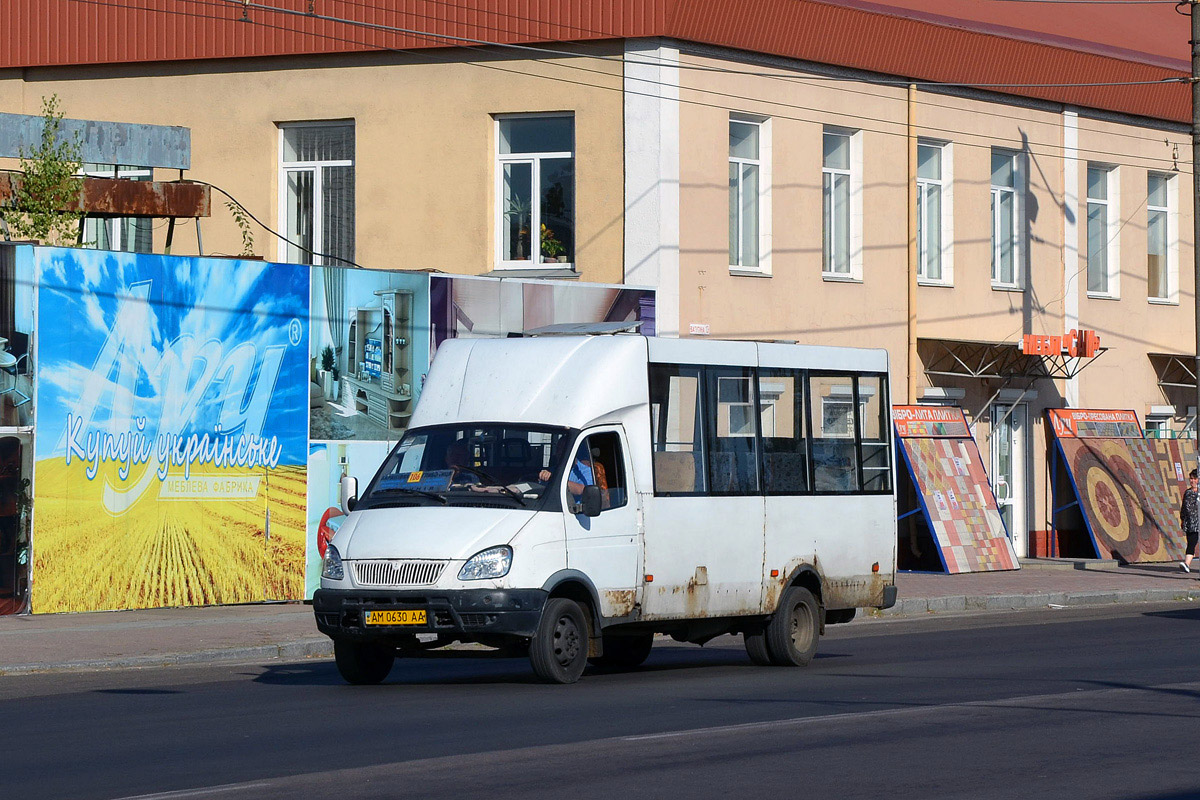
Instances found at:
x=559 y=648
x=625 y=651
x=755 y=639
x=793 y=630
x=363 y=662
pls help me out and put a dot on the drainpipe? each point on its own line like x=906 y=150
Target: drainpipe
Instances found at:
x=912 y=244
x=1194 y=8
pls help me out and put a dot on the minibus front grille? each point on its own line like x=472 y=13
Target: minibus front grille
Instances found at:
x=396 y=572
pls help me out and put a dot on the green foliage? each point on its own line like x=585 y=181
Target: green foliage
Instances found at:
x=243 y=222
x=551 y=246
x=327 y=358
x=50 y=184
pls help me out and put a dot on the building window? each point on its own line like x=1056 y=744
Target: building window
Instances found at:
x=317 y=190
x=1160 y=257
x=1102 y=215
x=535 y=176
x=835 y=174
x=933 y=208
x=746 y=189
x=129 y=234
x=1158 y=427
x=1006 y=250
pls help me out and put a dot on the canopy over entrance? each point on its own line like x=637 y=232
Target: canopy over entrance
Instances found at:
x=1174 y=370
x=1003 y=360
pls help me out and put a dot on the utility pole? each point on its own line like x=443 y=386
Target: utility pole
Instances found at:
x=1195 y=42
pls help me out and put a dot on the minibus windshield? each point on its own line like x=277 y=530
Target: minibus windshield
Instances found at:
x=468 y=464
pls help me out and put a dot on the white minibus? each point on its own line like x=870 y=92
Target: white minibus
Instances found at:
x=569 y=497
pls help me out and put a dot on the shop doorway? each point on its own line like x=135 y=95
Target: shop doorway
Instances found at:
x=14 y=527
x=1010 y=425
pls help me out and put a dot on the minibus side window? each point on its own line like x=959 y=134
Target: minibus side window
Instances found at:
x=834 y=439
x=676 y=433
x=781 y=416
x=874 y=453
x=607 y=466
x=731 y=432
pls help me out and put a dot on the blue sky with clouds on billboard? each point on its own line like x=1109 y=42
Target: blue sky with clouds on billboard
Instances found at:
x=187 y=345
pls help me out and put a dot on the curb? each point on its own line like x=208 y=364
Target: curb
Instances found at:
x=305 y=648
x=908 y=607
x=1013 y=602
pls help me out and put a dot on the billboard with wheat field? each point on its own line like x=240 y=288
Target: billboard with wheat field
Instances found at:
x=172 y=431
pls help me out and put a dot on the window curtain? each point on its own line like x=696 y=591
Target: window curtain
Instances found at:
x=335 y=307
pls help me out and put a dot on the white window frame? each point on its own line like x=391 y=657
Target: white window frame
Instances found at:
x=1172 y=211
x=113 y=226
x=1112 y=249
x=535 y=192
x=316 y=168
x=855 y=174
x=764 y=194
x=1018 y=225
x=744 y=407
x=841 y=394
x=946 y=223
x=1157 y=425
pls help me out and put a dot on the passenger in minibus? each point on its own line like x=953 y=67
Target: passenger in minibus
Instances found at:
x=458 y=459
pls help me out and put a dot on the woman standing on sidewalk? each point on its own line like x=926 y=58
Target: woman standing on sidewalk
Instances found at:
x=1189 y=519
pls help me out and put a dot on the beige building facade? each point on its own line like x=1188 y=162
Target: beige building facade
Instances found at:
x=1034 y=219
x=763 y=197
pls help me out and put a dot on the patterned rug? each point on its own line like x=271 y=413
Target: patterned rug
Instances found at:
x=323 y=425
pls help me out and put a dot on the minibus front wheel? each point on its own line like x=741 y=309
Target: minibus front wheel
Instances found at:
x=363 y=662
x=559 y=648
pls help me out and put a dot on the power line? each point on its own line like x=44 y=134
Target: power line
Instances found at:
x=1097 y=2
x=1054 y=149
x=543 y=51
x=796 y=79
x=275 y=233
x=623 y=60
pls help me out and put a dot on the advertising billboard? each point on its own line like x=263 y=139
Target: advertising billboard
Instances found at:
x=172 y=430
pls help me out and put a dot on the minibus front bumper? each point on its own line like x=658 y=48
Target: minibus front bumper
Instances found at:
x=465 y=613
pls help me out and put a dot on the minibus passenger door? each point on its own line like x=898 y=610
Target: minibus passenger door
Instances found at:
x=605 y=548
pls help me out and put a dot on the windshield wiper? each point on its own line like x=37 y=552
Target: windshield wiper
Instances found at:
x=407 y=490
x=493 y=482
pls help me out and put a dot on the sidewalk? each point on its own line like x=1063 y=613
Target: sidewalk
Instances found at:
x=157 y=637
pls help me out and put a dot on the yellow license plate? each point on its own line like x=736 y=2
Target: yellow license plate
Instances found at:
x=406 y=617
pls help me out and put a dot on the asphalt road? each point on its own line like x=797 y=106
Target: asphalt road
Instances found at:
x=1074 y=703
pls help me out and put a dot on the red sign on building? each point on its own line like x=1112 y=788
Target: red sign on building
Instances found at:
x=1075 y=344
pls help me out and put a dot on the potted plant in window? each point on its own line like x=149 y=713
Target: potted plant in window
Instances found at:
x=552 y=248
x=518 y=212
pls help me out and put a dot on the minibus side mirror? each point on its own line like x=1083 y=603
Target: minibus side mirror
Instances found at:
x=590 y=503
x=349 y=493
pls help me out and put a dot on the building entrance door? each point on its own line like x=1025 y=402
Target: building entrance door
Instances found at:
x=1009 y=426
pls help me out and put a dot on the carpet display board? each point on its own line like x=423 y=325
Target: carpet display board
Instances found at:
x=955 y=495
x=1128 y=488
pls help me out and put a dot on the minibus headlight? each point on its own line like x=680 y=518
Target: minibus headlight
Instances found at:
x=491 y=563
x=331 y=567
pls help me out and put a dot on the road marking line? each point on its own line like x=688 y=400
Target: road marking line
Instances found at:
x=204 y=791
x=887 y=712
